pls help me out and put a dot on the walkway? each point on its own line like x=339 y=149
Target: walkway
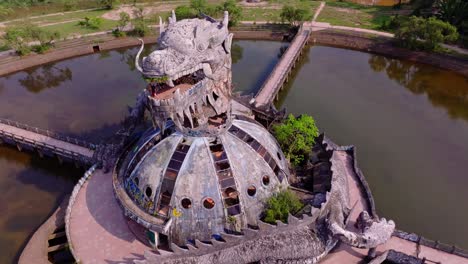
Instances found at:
x=45 y=141
x=346 y=254
x=98 y=229
x=279 y=75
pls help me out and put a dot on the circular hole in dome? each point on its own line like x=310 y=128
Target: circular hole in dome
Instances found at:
x=208 y=203
x=279 y=155
x=266 y=180
x=136 y=180
x=186 y=203
x=148 y=191
x=252 y=190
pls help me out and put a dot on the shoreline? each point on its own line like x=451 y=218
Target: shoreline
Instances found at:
x=329 y=37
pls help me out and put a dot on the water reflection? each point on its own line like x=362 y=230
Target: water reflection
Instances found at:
x=45 y=77
x=444 y=91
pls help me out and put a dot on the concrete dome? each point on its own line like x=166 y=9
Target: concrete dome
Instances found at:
x=196 y=187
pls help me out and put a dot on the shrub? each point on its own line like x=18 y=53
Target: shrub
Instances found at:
x=140 y=28
x=184 y=12
x=118 y=33
x=91 y=23
x=19 y=37
x=296 y=137
x=294 y=15
x=426 y=34
x=124 y=20
x=280 y=205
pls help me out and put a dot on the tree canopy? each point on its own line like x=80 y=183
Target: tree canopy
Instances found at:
x=296 y=137
x=427 y=34
x=294 y=15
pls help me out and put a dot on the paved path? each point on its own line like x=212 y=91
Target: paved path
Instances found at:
x=98 y=229
x=52 y=142
x=346 y=254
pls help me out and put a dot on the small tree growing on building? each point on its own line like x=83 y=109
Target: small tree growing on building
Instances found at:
x=296 y=137
x=280 y=205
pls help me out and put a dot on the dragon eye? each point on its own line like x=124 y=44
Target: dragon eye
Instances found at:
x=201 y=47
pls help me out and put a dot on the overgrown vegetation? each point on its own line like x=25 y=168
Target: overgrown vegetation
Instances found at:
x=91 y=22
x=19 y=38
x=426 y=34
x=296 y=137
x=140 y=25
x=121 y=25
x=280 y=205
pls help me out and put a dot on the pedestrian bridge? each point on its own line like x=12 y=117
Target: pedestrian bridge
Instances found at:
x=279 y=76
x=46 y=143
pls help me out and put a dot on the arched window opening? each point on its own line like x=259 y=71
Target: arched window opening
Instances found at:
x=208 y=203
x=266 y=180
x=148 y=191
x=252 y=190
x=186 y=203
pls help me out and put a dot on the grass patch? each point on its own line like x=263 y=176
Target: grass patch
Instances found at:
x=355 y=15
x=272 y=11
x=67 y=29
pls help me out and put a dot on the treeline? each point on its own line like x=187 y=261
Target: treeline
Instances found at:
x=432 y=22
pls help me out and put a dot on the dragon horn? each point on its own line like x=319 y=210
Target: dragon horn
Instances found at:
x=226 y=19
x=161 y=26
x=137 y=59
x=174 y=18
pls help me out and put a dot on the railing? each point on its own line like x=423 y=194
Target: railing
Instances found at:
x=38 y=145
x=284 y=73
x=71 y=202
x=48 y=133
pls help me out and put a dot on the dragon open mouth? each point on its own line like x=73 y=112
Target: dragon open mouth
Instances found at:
x=182 y=82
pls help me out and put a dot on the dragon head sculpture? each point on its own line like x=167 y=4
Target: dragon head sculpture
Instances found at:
x=186 y=47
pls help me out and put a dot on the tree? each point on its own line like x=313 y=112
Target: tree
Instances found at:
x=199 y=6
x=124 y=20
x=427 y=34
x=294 y=15
x=454 y=12
x=296 y=137
x=184 y=12
x=280 y=205
x=235 y=11
x=140 y=26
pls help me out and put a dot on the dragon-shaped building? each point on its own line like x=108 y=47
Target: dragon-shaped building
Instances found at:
x=196 y=184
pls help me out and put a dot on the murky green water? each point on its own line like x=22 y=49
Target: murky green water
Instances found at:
x=409 y=123
x=86 y=97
